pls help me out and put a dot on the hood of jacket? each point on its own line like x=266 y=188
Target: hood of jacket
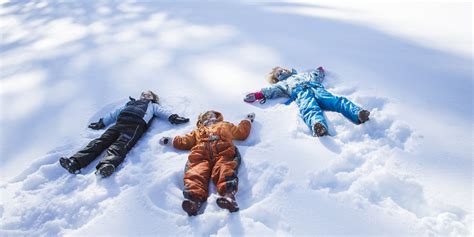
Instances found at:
x=219 y=117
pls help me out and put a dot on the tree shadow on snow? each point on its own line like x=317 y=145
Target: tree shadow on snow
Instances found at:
x=114 y=50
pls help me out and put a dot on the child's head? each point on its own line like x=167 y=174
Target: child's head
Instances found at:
x=149 y=95
x=208 y=118
x=277 y=74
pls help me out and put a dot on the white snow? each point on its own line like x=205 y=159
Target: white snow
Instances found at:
x=407 y=171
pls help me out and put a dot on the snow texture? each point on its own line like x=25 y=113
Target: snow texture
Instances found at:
x=407 y=171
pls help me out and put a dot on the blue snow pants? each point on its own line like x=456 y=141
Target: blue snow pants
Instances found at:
x=312 y=100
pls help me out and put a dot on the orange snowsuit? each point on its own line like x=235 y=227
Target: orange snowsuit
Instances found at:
x=213 y=155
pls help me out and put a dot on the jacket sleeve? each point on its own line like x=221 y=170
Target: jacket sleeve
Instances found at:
x=241 y=131
x=277 y=90
x=160 y=112
x=112 y=117
x=185 y=142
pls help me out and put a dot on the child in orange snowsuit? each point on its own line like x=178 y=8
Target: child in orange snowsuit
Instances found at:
x=213 y=156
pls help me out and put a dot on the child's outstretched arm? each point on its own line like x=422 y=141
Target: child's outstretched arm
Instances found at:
x=161 y=112
x=185 y=142
x=277 y=90
x=242 y=131
x=112 y=117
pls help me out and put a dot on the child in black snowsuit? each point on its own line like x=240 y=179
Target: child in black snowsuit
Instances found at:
x=132 y=120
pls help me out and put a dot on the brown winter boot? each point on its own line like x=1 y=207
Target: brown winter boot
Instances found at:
x=364 y=116
x=191 y=207
x=319 y=130
x=228 y=202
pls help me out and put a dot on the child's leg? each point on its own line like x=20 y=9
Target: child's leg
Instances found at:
x=196 y=177
x=129 y=135
x=338 y=104
x=224 y=172
x=310 y=110
x=96 y=146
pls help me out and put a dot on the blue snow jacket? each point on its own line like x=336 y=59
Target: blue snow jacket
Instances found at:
x=141 y=111
x=287 y=85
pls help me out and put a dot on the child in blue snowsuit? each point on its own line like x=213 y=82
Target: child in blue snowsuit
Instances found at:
x=310 y=96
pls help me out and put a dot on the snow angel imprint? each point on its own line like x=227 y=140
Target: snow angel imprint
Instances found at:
x=312 y=98
x=131 y=121
x=213 y=156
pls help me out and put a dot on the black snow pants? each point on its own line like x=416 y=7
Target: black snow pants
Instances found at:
x=118 y=140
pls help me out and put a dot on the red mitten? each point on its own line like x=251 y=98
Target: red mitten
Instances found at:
x=252 y=97
x=322 y=74
x=321 y=69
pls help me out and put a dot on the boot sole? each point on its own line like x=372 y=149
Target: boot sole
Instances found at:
x=226 y=204
x=364 y=116
x=319 y=130
x=106 y=170
x=189 y=208
x=66 y=164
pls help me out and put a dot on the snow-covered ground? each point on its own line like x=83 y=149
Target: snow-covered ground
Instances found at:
x=408 y=171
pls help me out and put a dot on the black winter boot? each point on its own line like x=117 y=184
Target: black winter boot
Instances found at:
x=106 y=170
x=70 y=164
x=191 y=207
x=319 y=130
x=364 y=116
x=228 y=202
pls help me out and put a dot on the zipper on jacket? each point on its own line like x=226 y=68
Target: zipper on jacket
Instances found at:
x=211 y=155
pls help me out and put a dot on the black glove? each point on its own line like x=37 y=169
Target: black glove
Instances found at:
x=97 y=125
x=175 y=119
